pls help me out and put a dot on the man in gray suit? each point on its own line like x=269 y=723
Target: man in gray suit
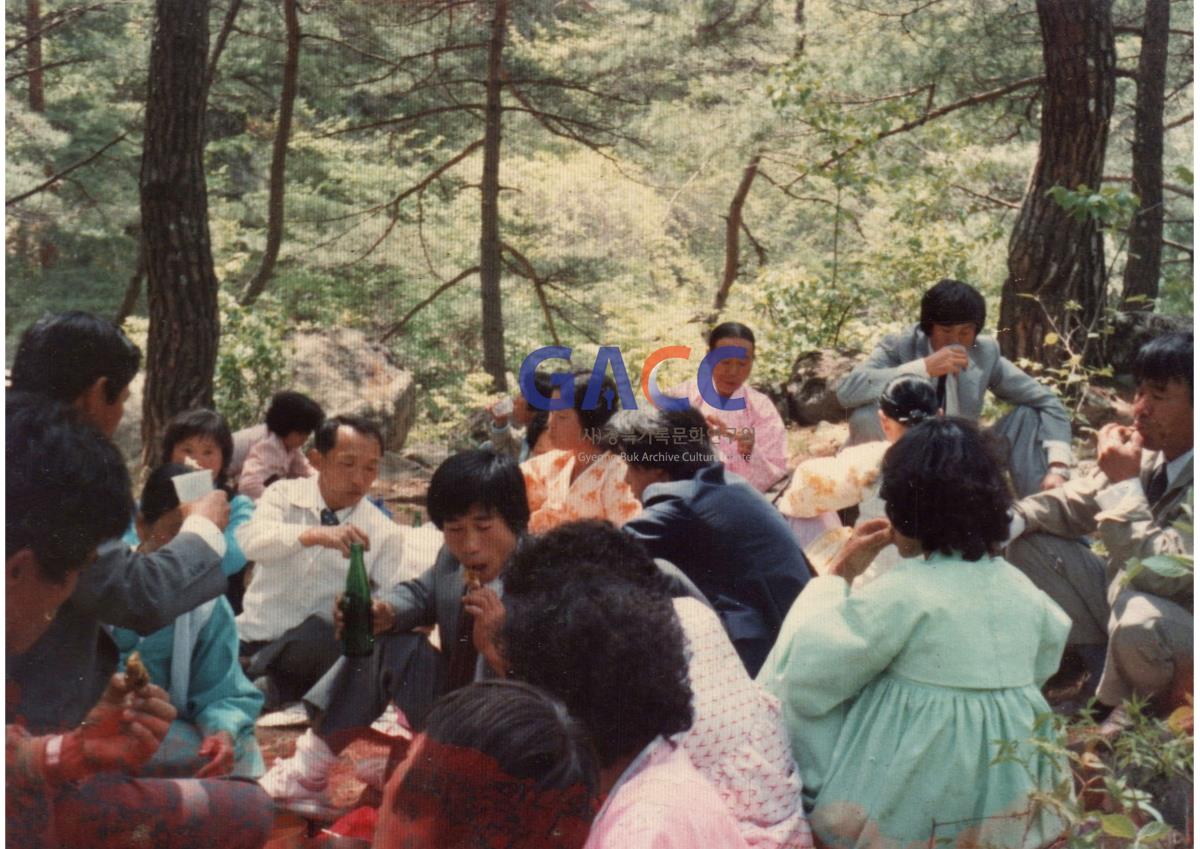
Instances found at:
x=477 y=499
x=946 y=347
x=1139 y=490
x=88 y=363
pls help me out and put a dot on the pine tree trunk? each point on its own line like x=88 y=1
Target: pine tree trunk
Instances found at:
x=1146 y=232
x=733 y=229
x=33 y=55
x=283 y=132
x=489 y=238
x=182 y=286
x=1051 y=256
x=133 y=289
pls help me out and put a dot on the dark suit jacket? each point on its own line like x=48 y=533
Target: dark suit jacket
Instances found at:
x=728 y=539
x=63 y=675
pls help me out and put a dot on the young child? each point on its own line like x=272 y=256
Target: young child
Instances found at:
x=201 y=438
x=275 y=450
x=195 y=659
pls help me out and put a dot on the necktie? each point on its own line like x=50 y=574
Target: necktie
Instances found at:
x=1157 y=485
x=461 y=671
x=329 y=518
x=941 y=393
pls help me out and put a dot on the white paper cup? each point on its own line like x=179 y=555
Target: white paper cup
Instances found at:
x=193 y=485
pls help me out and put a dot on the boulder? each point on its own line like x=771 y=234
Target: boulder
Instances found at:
x=1131 y=330
x=344 y=370
x=811 y=389
x=348 y=373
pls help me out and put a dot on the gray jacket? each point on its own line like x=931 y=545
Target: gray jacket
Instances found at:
x=987 y=370
x=1133 y=529
x=63 y=675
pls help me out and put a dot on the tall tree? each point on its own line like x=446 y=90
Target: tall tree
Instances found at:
x=283 y=132
x=1146 y=231
x=37 y=77
x=489 y=233
x=1054 y=260
x=181 y=283
x=733 y=228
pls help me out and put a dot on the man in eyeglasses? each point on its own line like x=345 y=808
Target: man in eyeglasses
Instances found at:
x=300 y=540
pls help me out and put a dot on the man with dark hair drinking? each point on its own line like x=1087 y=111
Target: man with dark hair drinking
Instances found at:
x=1131 y=502
x=477 y=499
x=946 y=347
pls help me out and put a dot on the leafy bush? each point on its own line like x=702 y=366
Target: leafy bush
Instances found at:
x=251 y=362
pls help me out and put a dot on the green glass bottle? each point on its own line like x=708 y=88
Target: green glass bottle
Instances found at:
x=358 y=639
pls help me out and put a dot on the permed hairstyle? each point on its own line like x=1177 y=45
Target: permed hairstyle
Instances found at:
x=909 y=400
x=1165 y=358
x=730 y=330
x=943 y=487
x=589 y=548
x=158 y=495
x=596 y=418
x=66 y=486
x=526 y=731
x=326 y=438
x=61 y=355
x=204 y=423
x=675 y=441
x=952 y=302
x=478 y=477
x=614 y=653
x=293 y=412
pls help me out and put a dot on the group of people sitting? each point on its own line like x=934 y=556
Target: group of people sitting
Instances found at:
x=617 y=641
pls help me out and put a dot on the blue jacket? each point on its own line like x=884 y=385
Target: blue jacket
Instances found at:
x=219 y=697
x=733 y=544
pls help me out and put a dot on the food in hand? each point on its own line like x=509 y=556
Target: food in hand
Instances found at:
x=136 y=675
x=472 y=580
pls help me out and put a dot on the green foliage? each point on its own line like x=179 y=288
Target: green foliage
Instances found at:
x=616 y=192
x=251 y=362
x=1110 y=207
x=1150 y=752
x=1169 y=565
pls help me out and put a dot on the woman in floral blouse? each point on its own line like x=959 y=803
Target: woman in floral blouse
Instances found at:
x=579 y=479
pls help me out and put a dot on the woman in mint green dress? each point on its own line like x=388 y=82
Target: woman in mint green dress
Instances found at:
x=899 y=696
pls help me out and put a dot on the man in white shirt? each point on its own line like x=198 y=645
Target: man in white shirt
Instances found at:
x=1143 y=613
x=300 y=540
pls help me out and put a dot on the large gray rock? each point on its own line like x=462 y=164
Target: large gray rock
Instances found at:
x=348 y=373
x=1134 y=329
x=811 y=389
x=344 y=370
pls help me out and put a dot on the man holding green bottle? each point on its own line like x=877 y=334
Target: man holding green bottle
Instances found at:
x=300 y=539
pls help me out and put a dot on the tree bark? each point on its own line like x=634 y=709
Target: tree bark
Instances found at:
x=733 y=228
x=1053 y=259
x=182 y=286
x=1146 y=230
x=133 y=289
x=489 y=237
x=283 y=132
x=33 y=56
x=798 y=17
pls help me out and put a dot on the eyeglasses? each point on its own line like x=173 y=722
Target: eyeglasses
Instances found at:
x=329 y=518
